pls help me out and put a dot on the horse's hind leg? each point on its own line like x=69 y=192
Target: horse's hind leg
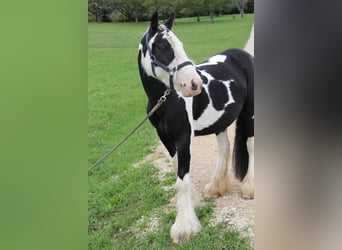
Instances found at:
x=219 y=183
x=247 y=187
x=244 y=155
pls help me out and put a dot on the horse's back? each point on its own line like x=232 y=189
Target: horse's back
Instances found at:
x=245 y=62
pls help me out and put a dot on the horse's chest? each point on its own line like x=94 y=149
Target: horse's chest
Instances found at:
x=212 y=103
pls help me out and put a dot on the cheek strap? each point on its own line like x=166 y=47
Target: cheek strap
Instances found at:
x=156 y=63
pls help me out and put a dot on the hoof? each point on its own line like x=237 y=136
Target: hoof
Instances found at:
x=247 y=189
x=217 y=189
x=247 y=196
x=181 y=232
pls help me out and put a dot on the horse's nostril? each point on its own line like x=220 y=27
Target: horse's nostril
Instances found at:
x=193 y=85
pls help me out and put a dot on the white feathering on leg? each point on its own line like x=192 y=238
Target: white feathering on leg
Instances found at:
x=187 y=223
x=219 y=183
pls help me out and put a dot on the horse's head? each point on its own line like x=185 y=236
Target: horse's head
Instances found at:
x=163 y=57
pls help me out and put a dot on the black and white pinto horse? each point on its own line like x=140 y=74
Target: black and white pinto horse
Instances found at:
x=204 y=99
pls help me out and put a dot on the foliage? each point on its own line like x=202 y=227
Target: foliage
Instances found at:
x=101 y=9
x=132 y=9
x=141 y=10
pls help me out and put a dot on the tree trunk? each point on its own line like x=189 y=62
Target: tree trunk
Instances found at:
x=242 y=12
x=198 y=18
x=211 y=17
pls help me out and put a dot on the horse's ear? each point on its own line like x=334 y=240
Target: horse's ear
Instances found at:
x=169 y=21
x=154 y=24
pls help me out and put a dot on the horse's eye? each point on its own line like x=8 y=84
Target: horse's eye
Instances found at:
x=164 y=47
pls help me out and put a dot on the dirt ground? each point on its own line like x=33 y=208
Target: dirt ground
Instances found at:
x=230 y=209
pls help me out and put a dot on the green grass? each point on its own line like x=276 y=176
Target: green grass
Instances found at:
x=120 y=195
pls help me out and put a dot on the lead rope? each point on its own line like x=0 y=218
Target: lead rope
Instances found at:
x=161 y=100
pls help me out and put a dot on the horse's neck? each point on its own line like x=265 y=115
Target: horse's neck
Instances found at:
x=154 y=89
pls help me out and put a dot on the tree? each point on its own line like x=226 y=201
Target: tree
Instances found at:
x=216 y=6
x=240 y=5
x=177 y=6
x=101 y=8
x=154 y=5
x=193 y=8
x=132 y=9
x=138 y=10
x=249 y=8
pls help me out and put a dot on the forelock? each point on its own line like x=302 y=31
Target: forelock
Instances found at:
x=167 y=34
x=162 y=27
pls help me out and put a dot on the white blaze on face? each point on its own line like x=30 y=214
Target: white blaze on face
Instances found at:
x=187 y=77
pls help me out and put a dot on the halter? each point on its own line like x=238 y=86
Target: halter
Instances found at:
x=155 y=63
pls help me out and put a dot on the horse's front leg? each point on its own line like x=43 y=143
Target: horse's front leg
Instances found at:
x=187 y=223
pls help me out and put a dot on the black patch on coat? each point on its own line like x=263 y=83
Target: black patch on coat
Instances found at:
x=204 y=79
x=200 y=103
x=219 y=71
x=162 y=50
x=218 y=93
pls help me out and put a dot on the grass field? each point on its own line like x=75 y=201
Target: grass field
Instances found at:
x=122 y=199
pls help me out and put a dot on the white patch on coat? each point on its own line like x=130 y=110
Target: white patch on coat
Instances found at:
x=214 y=60
x=210 y=115
x=207 y=75
x=188 y=108
x=230 y=96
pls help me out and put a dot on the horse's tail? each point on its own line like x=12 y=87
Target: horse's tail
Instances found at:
x=245 y=120
x=240 y=155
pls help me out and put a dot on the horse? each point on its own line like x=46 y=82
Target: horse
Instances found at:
x=200 y=100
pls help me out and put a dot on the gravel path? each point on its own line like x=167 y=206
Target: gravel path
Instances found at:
x=230 y=209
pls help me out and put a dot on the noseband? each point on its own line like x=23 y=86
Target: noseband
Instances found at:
x=156 y=63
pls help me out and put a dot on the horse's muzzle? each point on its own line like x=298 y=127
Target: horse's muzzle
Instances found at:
x=192 y=89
